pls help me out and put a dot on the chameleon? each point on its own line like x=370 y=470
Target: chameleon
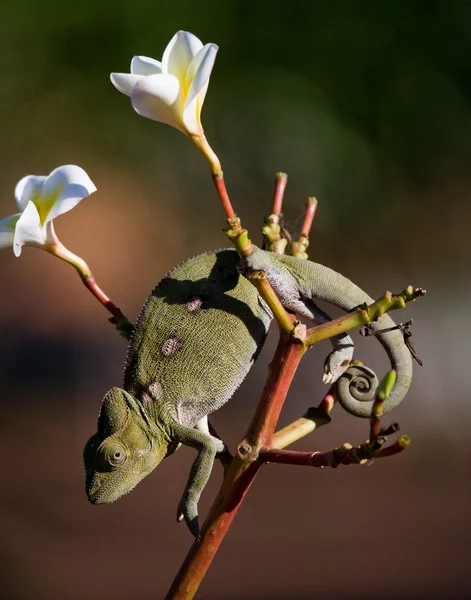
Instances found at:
x=194 y=342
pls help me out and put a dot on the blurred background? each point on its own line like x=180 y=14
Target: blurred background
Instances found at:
x=366 y=106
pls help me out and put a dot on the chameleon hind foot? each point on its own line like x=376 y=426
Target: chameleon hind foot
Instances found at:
x=336 y=364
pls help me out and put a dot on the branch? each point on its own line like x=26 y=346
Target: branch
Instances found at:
x=363 y=315
x=345 y=455
x=314 y=418
x=272 y=238
x=123 y=325
x=283 y=318
x=299 y=248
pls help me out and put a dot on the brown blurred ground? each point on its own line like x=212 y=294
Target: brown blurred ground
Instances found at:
x=368 y=110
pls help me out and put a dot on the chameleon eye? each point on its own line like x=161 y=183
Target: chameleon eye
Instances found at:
x=111 y=455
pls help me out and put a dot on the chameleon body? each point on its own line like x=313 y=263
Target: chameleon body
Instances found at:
x=194 y=342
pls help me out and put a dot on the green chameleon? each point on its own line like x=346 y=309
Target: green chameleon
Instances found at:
x=194 y=342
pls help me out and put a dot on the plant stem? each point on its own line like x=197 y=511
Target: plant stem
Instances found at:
x=202 y=144
x=299 y=248
x=314 y=418
x=218 y=179
x=281 y=373
x=363 y=315
x=281 y=179
x=56 y=248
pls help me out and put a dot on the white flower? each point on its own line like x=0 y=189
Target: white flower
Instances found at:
x=172 y=91
x=41 y=199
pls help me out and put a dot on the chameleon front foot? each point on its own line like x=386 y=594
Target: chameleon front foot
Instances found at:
x=207 y=447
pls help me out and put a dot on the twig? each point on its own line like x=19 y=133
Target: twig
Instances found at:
x=314 y=418
x=281 y=180
x=345 y=455
x=218 y=180
x=123 y=325
x=272 y=238
x=299 y=248
x=363 y=315
x=405 y=328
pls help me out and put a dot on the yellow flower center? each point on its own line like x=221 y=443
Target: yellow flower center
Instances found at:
x=43 y=204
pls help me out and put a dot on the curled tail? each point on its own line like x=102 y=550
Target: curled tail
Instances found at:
x=355 y=389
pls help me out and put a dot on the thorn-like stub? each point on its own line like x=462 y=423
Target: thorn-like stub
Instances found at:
x=299 y=332
x=244 y=449
x=281 y=175
x=247 y=452
x=255 y=275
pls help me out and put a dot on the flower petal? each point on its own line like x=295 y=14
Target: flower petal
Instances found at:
x=157 y=97
x=64 y=188
x=29 y=188
x=124 y=82
x=143 y=65
x=7 y=230
x=28 y=229
x=197 y=78
x=179 y=53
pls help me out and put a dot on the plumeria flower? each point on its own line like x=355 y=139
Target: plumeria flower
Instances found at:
x=171 y=91
x=40 y=200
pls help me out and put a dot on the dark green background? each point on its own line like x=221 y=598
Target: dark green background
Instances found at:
x=366 y=106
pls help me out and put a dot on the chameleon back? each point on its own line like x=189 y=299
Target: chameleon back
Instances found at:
x=196 y=338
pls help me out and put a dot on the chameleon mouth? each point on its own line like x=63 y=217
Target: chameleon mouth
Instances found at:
x=104 y=488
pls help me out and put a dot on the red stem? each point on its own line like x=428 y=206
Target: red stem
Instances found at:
x=281 y=179
x=340 y=456
x=310 y=211
x=282 y=370
x=100 y=295
x=218 y=179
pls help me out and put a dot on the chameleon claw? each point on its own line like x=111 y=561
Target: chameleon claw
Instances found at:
x=327 y=378
x=188 y=511
x=194 y=528
x=192 y=525
x=336 y=364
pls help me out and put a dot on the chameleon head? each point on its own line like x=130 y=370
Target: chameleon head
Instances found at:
x=126 y=448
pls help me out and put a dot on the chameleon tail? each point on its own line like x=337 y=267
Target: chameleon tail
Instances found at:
x=355 y=389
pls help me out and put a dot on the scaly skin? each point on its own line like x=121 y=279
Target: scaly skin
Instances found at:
x=197 y=336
